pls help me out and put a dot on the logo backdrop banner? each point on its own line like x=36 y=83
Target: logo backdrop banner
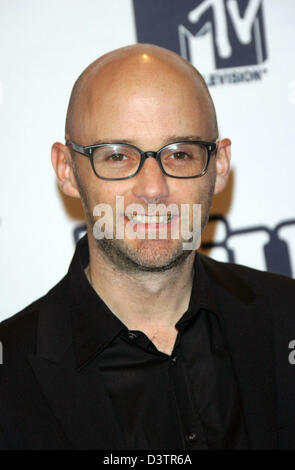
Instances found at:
x=214 y=34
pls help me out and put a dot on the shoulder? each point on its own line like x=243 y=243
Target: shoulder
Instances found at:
x=18 y=335
x=21 y=325
x=272 y=285
x=19 y=331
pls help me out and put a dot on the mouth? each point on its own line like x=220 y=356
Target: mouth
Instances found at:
x=149 y=219
x=144 y=224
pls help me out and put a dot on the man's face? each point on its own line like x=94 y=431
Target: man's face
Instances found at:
x=147 y=108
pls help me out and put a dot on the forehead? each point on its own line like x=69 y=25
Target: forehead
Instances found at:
x=123 y=100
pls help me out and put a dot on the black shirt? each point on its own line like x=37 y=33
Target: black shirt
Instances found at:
x=188 y=400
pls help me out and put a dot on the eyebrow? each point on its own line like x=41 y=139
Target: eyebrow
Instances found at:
x=169 y=140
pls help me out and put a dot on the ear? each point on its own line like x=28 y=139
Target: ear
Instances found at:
x=62 y=164
x=223 y=157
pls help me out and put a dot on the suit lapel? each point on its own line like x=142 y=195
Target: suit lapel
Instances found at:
x=249 y=334
x=76 y=396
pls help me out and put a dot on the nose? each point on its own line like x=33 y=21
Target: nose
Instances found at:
x=150 y=184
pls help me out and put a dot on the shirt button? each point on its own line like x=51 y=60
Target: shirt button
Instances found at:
x=191 y=437
x=132 y=335
x=173 y=360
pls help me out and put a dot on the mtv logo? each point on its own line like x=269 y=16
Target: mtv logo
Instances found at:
x=211 y=34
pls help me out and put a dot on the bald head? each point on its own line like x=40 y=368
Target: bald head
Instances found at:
x=140 y=69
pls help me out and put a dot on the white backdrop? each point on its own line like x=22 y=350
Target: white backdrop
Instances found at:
x=45 y=44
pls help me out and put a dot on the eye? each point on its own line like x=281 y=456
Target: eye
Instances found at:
x=117 y=157
x=179 y=155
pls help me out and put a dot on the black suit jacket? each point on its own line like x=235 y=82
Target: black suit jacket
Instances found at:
x=47 y=402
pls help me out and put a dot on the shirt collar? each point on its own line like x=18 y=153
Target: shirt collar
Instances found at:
x=202 y=295
x=95 y=326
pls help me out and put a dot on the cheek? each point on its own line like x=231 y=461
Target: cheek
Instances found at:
x=105 y=192
x=190 y=191
x=95 y=189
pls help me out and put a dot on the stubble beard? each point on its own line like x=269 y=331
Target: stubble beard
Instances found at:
x=146 y=258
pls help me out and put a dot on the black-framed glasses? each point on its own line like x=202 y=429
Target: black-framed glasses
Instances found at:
x=119 y=161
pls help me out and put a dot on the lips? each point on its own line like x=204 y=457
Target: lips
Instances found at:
x=149 y=219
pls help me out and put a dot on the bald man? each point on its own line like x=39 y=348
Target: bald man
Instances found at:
x=146 y=343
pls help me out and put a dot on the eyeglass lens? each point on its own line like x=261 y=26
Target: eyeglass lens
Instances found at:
x=119 y=160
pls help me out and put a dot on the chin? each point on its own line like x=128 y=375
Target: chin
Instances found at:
x=144 y=255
